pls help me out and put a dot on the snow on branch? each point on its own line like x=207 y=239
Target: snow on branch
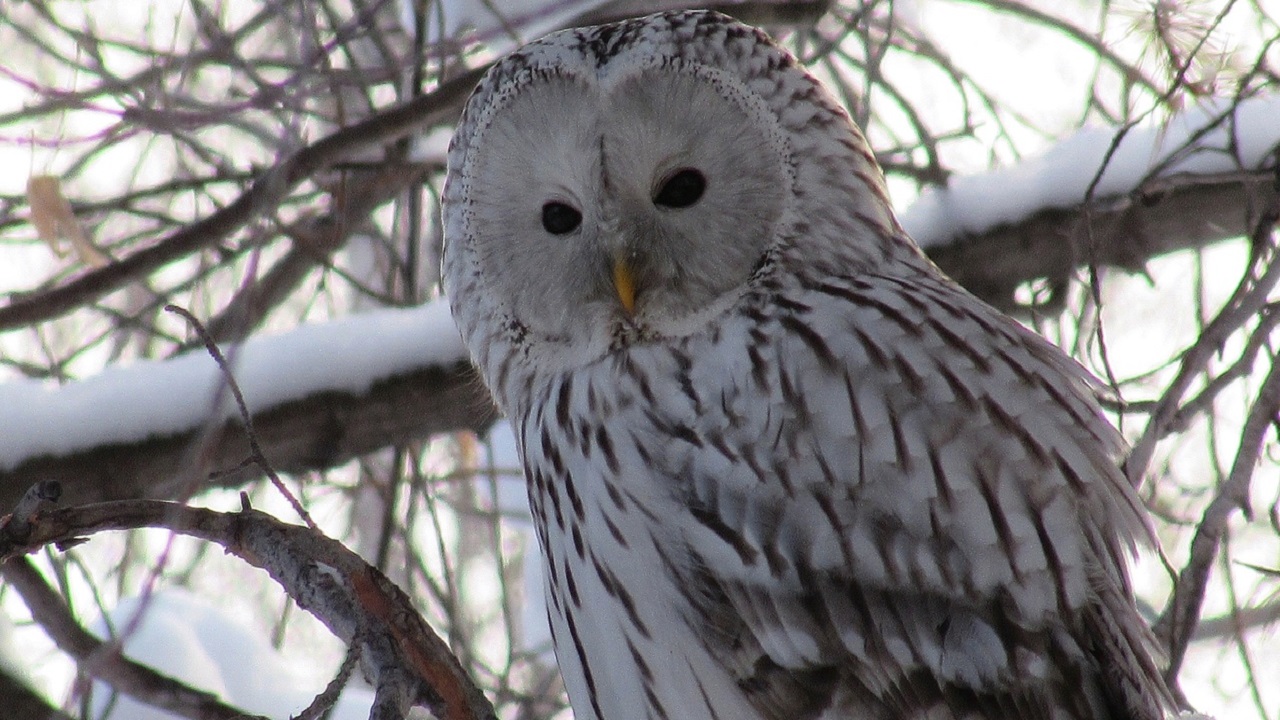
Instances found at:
x=1209 y=139
x=1108 y=197
x=160 y=397
x=322 y=394
x=319 y=394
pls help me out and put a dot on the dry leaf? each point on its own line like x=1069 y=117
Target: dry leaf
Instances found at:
x=54 y=220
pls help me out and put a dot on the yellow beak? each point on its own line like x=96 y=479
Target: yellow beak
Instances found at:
x=625 y=285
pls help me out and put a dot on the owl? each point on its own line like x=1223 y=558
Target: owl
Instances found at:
x=780 y=466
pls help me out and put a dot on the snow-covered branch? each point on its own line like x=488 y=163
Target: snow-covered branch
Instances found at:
x=320 y=395
x=325 y=393
x=1111 y=197
x=1125 y=231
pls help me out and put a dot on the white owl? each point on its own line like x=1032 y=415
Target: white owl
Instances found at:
x=781 y=467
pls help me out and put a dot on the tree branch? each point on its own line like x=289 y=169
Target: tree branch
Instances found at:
x=1177 y=624
x=1162 y=216
x=103 y=660
x=266 y=193
x=408 y=664
x=327 y=429
x=314 y=432
x=20 y=702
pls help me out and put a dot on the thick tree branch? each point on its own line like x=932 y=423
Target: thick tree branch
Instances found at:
x=318 y=431
x=22 y=703
x=1162 y=216
x=330 y=428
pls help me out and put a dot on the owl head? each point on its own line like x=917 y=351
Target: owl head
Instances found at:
x=621 y=183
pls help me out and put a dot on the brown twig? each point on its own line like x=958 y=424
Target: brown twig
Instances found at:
x=1177 y=625
x=328 y=697
x=103 y=660
x=409 y=665
x=255 y=449
x=266 y=193
x=1248 y=300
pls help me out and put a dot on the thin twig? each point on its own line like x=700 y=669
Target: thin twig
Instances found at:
x=245 y=417
x=103 y=660
x=1177 y=625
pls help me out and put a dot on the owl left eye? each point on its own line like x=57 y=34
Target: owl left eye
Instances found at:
x=682 y=189
x=560 y=219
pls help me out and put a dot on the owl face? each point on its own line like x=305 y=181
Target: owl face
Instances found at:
x=601 y=207
x=630 y=182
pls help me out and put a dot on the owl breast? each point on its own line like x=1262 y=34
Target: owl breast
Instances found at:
x=626 y=613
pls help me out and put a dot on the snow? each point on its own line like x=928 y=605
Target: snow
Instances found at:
x=203 y=645
x=130 y=403
x=1060 y=178
x=432 y=148
x=15 y=660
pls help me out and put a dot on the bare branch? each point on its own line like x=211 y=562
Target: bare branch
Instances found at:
x=407 y=662
x=1177 y=625
x=267 y=192
x=1246 y=303
x=255 y=449
x=103 y=660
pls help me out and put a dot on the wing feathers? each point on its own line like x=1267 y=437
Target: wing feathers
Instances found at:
x=954 y=524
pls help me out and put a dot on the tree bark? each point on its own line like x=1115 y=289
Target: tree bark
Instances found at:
x=1160 y=217
x=314 y=432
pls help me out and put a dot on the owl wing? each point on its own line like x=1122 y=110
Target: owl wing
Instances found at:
x=908 y=501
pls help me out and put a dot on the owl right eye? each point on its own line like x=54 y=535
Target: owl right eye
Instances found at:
x=682 y=189
x=559 y=219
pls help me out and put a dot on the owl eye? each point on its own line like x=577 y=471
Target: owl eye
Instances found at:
x=560 y=219
x=681 y=189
